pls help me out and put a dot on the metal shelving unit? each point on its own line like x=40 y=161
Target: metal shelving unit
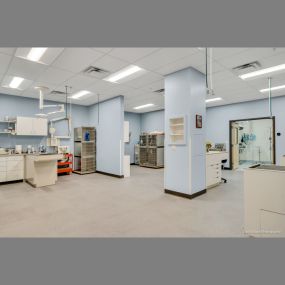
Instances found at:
x=84 y=150
x=10 y=125
x=151 y=152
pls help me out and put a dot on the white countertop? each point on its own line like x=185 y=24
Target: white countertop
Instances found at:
x=24 y=154
x=267 y=168
x=216 y=152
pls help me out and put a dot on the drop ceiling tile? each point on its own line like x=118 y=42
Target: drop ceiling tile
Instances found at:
x=164 y=56
x=224 y=75
x=7 y=51
x=131 y=54
x=134 y=93
x=26 y=83
x=31 y=91
x=100 y=86
x=76 y=59
x=80 y=81
x=103 y=50
x=26 y=69
x=276 y=59
x=55 y=76
x=145 y=79
x=249 y=55
x=154 y=86
x=193 y=60
x=219 y=53
x=10 y=91
x=4 y=62
x=232 y=83
x=110 y=63
x=261 y=83
x=47 y=58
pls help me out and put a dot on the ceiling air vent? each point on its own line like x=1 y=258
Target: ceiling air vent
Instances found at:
x=159 y=91
x=248 y=67
x=57 y=92
x=96 y=71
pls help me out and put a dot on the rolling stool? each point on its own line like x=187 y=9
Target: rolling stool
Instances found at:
x=223 y=162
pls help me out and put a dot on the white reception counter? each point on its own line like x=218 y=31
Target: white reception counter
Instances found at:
x=264 y=201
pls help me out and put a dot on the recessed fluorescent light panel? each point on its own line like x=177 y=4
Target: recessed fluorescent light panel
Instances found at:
x=272 y=88
x=80 y=94
x=35 y=54
x=125 y=74
x=41 y=55
x=261 y=72
x=213 y=100
x=143 y=106
x=16 y=82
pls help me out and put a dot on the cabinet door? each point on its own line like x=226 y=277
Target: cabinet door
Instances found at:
x=39 y=126
x=3 y=176
x=24 y=126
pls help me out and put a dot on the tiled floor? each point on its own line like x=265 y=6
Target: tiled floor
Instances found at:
x=101 y=206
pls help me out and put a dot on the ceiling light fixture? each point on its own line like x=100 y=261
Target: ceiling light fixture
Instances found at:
x=115 y=77
x=213 y=100
x=80 y=94
x=16 y=82
x=36 y=53
x=262 y=71
x=143 y=106
x=272 y=89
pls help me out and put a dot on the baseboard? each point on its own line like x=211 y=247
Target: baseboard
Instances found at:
x=133 y=163
x=184 y=195
x=227 y=168
x=10 y=182
x=110 y=174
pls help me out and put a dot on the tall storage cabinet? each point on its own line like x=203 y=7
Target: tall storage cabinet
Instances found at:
x=84 y=150
x=152 y=150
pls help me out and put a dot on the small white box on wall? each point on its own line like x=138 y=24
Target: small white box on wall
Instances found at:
x=126 y=131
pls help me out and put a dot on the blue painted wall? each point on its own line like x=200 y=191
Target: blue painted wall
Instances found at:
x=152 y=121
x=110 y=146
x=135 y=130
x=13 y=106
x=218 y=120
x=110 y=134
x=217 y=126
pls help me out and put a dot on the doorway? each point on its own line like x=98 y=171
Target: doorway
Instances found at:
x=252 y=141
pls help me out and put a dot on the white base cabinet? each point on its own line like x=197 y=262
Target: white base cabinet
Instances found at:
x=11 y=168
x=213 y=167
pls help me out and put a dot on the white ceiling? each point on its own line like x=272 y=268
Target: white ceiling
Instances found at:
x=68 y=63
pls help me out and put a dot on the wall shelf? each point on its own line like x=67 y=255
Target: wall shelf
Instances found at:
x=177 y=130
